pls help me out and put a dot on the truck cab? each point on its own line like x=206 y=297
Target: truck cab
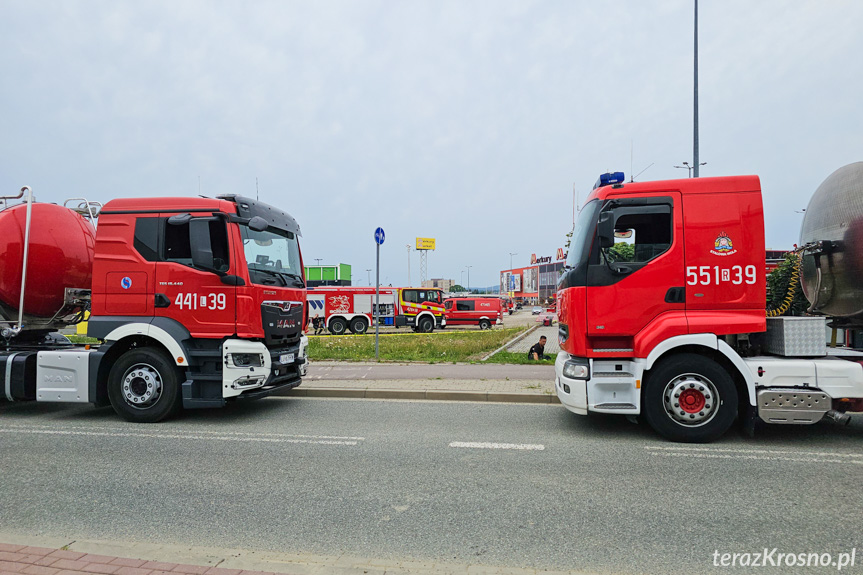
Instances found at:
x=421 y=309
x=214 y=285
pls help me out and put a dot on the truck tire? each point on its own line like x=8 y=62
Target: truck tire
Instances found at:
x=338 y=326
x=426 y=325
x=484 y=324
x=689 y=398
x=359 y=325
x=144 y=386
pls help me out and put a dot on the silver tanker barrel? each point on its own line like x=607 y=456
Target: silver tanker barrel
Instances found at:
x=832 y=231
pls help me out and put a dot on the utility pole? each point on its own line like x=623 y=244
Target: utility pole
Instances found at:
x=468 y=278
x=695 y=164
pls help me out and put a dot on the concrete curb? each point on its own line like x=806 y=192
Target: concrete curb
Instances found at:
x=422 y=394
x=514 y=340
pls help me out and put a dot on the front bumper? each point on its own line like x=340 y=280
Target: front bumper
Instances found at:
x=270 y=369
x=572 y=393
x=610 y=385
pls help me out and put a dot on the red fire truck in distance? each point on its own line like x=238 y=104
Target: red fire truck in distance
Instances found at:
x=348 y=308
x=669 y=329
x=196 y=302
x=482 y=311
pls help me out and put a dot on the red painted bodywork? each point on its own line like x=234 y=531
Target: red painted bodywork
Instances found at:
x=60 y=255
x=484 y=307
x=116 y=258
x=631 y=317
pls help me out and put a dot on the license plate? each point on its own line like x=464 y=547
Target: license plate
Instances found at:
x=286 y=358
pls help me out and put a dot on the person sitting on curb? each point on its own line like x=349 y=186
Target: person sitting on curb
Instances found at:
x=537 y=352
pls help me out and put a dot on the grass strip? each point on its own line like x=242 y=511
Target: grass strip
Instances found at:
x=446 y=347
x=519 y=358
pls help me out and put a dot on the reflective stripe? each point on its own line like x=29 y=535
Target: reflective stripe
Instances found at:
x=9 y=377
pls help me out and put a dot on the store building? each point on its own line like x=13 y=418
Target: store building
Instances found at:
x=536 y=283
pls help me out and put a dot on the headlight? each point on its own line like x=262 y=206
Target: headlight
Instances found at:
x=247 y=359
x=576 y=369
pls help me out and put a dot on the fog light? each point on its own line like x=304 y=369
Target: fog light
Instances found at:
x=565 y=388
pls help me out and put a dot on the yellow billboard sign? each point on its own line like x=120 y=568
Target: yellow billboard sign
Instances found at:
x=425 y=243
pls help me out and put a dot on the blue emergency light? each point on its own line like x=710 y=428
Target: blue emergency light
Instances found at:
x=609 y=179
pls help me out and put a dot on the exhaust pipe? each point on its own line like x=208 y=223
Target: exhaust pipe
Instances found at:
x=838 y=417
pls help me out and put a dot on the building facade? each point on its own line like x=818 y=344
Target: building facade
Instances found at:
x=337 y=275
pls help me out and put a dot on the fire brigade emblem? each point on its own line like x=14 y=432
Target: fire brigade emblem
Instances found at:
x=339 y=304
x=723 y=246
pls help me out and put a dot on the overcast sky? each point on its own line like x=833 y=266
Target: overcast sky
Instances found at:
x=466 y=121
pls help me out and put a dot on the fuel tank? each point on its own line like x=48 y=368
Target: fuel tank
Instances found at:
x=832 y=275
x=60 y=256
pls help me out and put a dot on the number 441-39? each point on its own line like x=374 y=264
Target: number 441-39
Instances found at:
x=192 y=301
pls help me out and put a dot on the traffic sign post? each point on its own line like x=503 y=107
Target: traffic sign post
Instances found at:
x=379 y=239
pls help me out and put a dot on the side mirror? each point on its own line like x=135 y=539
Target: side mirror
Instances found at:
x=180 y=219
x=605 y=230
x=258 y=224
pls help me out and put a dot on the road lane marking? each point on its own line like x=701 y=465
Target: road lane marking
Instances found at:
x=196 y=436
x=197 y=431
x=756 y=454
x=488 y=445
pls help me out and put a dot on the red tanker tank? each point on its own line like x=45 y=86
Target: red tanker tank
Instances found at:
x=60 y=256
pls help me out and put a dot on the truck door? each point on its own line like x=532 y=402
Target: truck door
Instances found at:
x=638 y=275
x=195 y=256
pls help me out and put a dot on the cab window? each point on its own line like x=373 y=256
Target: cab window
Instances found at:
x=178 y=246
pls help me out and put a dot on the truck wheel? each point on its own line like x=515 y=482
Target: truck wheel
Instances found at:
x=426 y=325
x=338 y=326
x=144 y=386
x=484 y=324
x=689 y=398
x=359 y=325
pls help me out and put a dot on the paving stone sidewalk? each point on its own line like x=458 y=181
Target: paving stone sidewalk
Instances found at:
x=25 y=560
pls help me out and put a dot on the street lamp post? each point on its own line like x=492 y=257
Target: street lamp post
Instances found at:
x=369 y=274
x=318 y=261
x=468 y=278
x=690 y=168
x=408 y=246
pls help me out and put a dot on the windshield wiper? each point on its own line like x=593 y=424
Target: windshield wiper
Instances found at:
x=273 y=273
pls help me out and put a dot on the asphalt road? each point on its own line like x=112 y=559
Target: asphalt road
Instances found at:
x=341 y=371
x=491 y=484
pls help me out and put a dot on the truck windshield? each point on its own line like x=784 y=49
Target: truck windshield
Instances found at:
x=582 y=237
x=273 y=257
x=421 y=296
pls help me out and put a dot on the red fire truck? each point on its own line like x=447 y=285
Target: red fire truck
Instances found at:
x=673 y=327
x=348 y=308
x=482 y=311
x=196 y=302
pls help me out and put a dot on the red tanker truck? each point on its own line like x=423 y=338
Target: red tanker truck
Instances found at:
x=196 y=302
x=674 y=329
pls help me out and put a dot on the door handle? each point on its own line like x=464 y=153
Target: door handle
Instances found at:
x=162 y=300
x=675 y=295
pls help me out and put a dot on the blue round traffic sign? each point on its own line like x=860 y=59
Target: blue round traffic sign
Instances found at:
x=379 y=236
